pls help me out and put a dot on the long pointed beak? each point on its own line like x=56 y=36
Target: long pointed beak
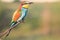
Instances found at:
x=30 y=3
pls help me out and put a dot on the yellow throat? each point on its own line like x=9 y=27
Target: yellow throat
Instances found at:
x=25 y=6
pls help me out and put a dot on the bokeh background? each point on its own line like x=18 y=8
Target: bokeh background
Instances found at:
x=41 y=23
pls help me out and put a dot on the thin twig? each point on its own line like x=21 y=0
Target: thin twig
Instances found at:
x=8 y=30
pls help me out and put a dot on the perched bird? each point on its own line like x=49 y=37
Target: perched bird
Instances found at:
x=16 y=14
x=19 y=14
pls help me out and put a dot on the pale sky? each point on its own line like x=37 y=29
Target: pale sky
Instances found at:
x=33 y=0
x=43 y=0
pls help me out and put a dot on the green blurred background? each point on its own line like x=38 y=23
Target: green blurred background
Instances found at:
x=32 y=28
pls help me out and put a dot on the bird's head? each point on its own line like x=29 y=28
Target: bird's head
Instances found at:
x=26 y=4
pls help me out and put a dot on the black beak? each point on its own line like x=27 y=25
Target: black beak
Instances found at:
x=30 y=2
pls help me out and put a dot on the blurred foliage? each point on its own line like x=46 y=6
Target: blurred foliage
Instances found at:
x=16 y=0
x=4 y=20
x=55 y=16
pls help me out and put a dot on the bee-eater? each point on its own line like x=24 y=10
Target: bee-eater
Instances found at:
x=23 y=9
x=16 y=14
